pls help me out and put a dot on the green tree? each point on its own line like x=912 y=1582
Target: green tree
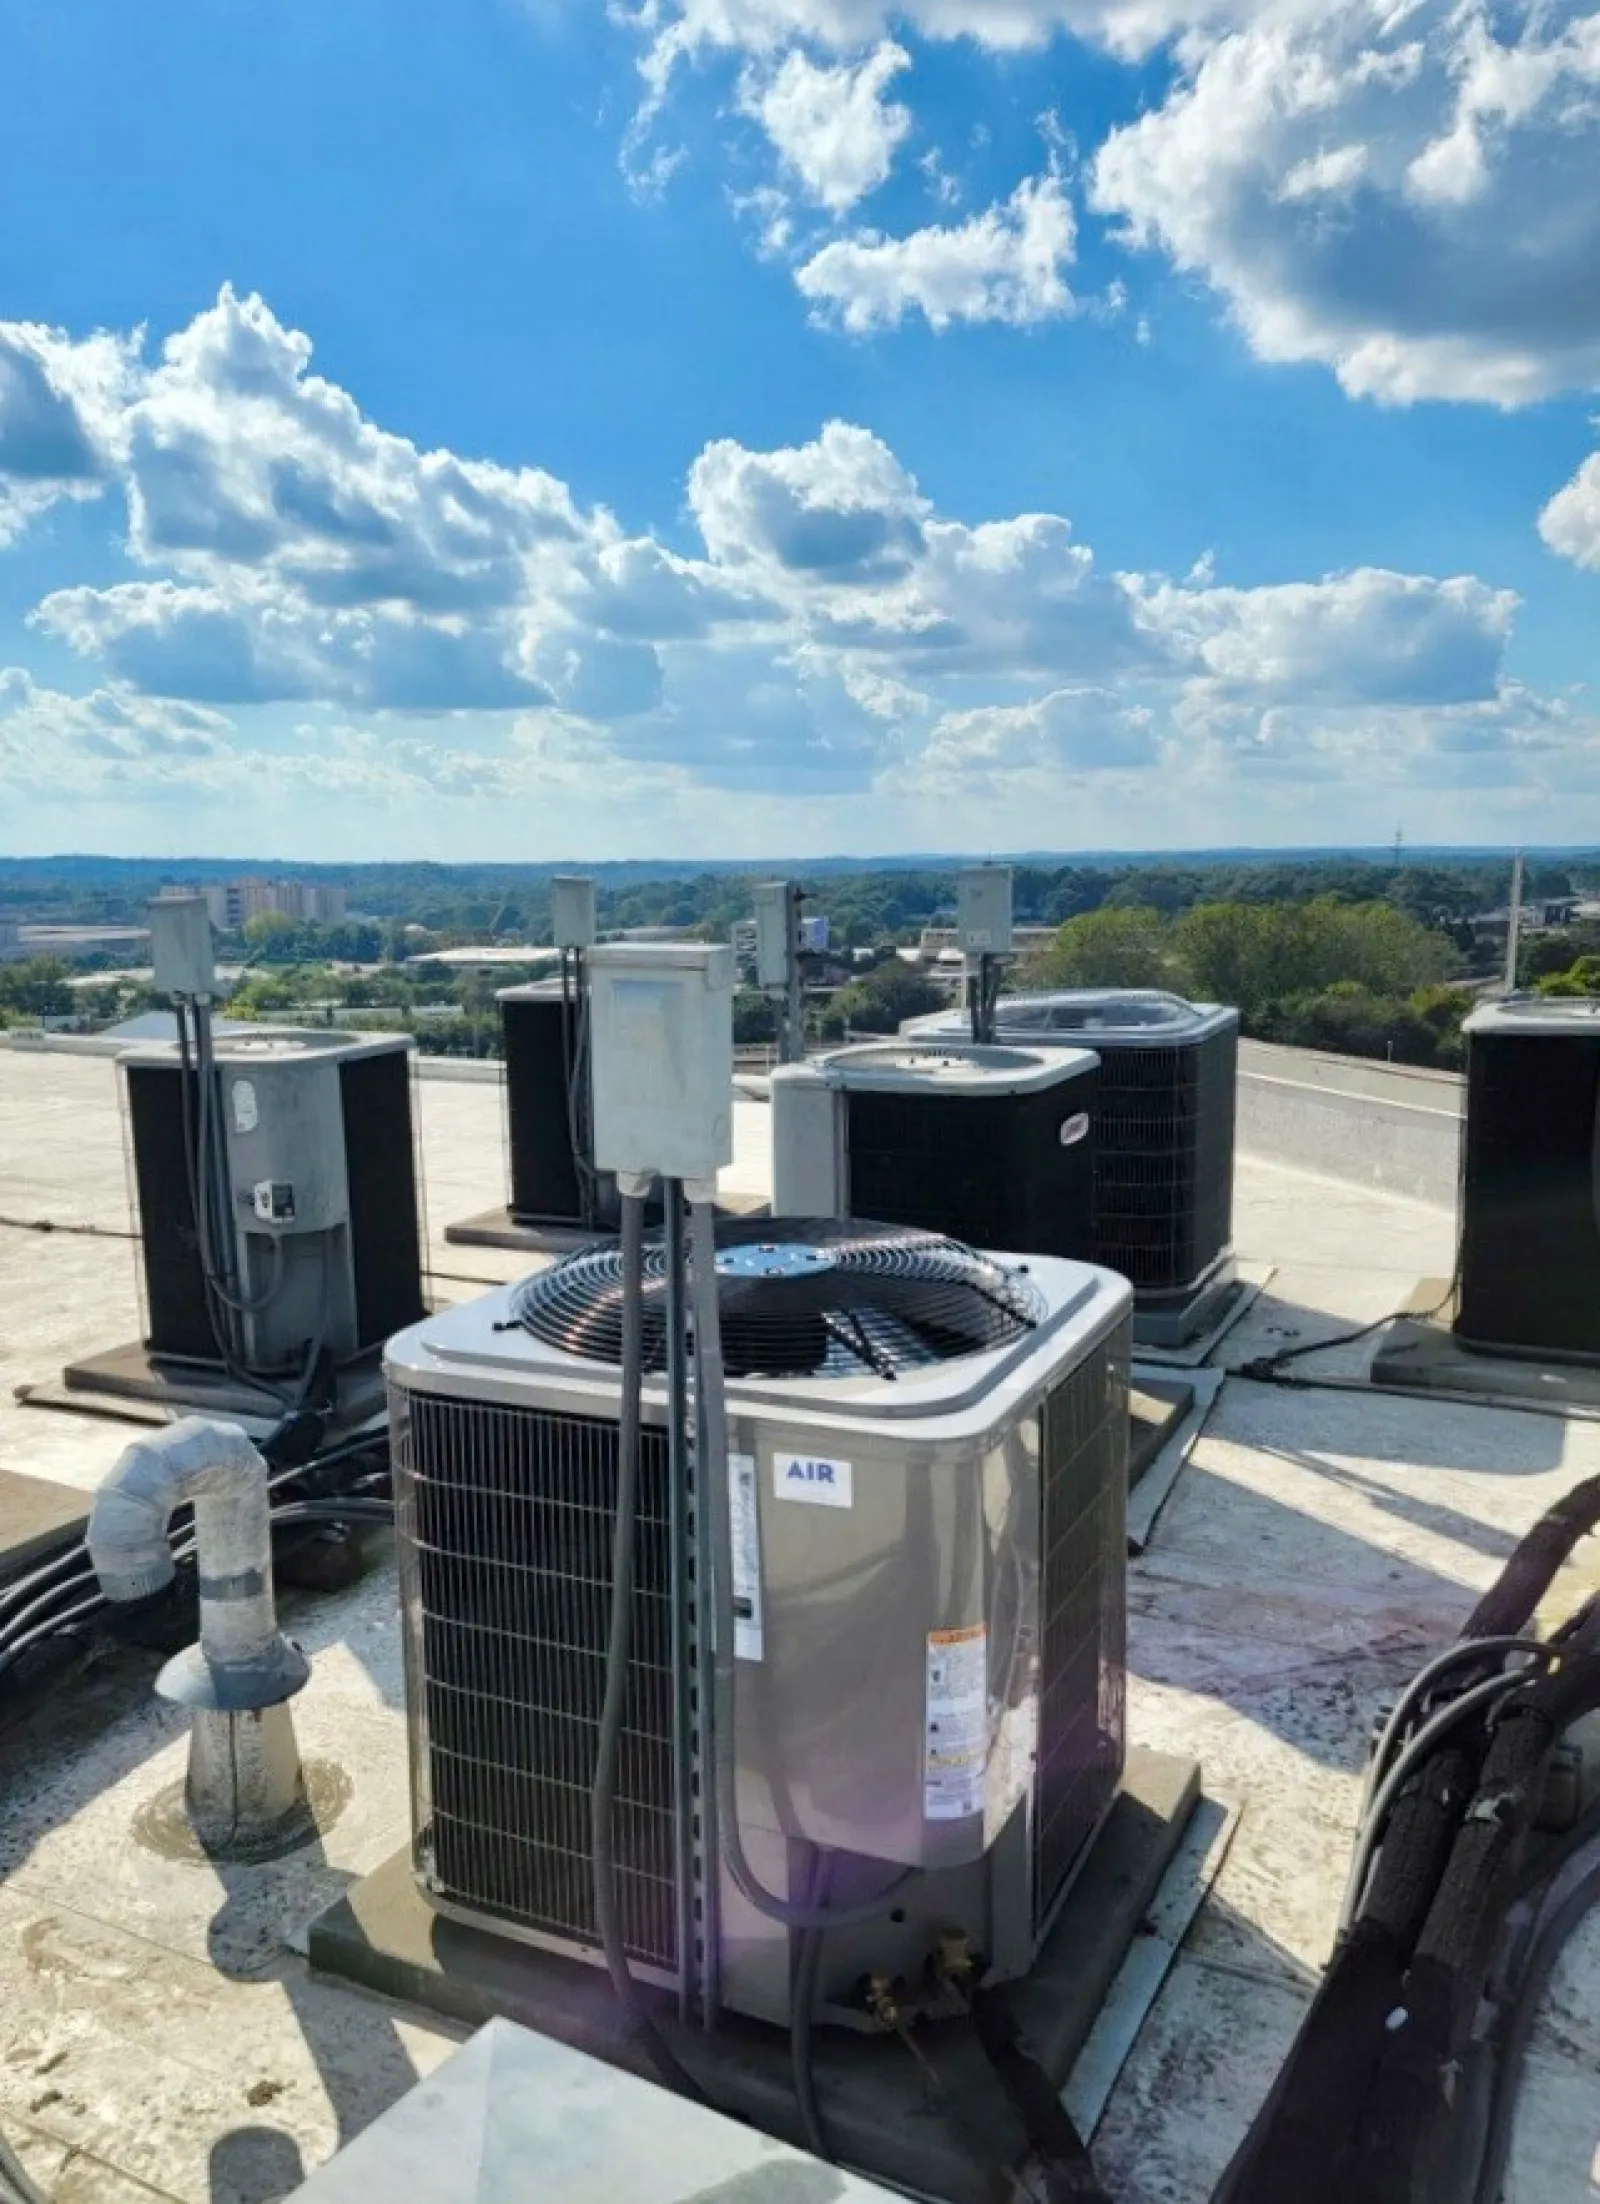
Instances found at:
x=1582 y=977
x=1256 y=955
x=271 y=938
x=1111 y=947
x=1443 y=1009
x=754 y=1018
x=882 y=1001
x=36 y=988
x=1557 y=951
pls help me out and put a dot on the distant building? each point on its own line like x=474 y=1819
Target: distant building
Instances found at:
x=939 y=943
x=316 y=901
x=492 y=957
x=75 y=941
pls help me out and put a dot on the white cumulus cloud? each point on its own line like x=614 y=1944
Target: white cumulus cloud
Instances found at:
x=59 y=417
x=832 y=636
x=51 y=739
x=1404 y=194
x=675 y=30
x=1570 y=523
x=832 y=124
x=1007 y=264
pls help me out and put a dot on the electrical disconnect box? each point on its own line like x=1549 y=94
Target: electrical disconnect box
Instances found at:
x=661 y=1025
x=572 y=911
x=983 y=911
x=180 y=947
x=775 y=932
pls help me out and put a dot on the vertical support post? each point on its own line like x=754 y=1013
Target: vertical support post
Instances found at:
x=982 y=993
x=682 y=1526
x=794 y=1021
x=1514 y=924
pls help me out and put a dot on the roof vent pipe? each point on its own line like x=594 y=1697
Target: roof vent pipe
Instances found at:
x=245 y=1788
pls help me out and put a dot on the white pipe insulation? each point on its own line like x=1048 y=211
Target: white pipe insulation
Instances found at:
x=243 y=1660
x=245 y=1789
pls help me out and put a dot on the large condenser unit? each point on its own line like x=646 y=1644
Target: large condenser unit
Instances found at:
x=314 y=1236
x=994 y=1145
x=927 y=1462
x=1530 y=1195
x=1164 y=1134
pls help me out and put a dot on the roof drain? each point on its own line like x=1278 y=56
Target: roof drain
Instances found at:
x=245 y=1793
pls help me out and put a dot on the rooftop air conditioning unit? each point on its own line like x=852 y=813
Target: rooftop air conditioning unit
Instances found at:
x=994 y=1145
x=927 y=1463
x=321 y=1237
x=1530 y=1200
x=1164 y=1136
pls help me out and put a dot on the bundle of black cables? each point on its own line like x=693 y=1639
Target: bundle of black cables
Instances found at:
x=1392 y=2093
x=343 y=1484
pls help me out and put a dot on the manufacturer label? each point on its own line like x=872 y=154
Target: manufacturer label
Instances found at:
x=956 y=1750
x=814 y=1478
x=1074 y=1129
x=246 y=1116
x=745 y=1524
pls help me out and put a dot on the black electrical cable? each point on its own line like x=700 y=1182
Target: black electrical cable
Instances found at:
x=16 y=1639
x=193 y=1083
x=1424 y=1682
x=71 y=1571
x=56 y=1626
x=802 y=2015
x=1265 y=1367
x=50 y=1575
x=1532 y=1568
x=213 y=1220
x=1479 y=1699
x=1400 y=2146
x=17 y=2185
x=608 y=1746
x=1298 y=2140
x=1060 y=2151
x=207 y=1166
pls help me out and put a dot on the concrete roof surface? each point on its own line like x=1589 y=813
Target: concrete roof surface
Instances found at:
x=161 y=2037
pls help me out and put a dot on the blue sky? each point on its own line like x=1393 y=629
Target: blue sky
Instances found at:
x=726 y=427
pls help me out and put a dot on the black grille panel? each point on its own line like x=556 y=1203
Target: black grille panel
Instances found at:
x=1530 y=1233
x=1082 y=1612
x=1163 y=1196
x=505 y=1518
x=175 y=1291
x=381 y=1174
x=540 y=1038
x=992 y=1173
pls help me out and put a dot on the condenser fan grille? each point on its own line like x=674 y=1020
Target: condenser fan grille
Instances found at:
x=823 y=1297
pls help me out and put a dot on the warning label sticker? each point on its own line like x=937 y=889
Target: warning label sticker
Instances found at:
x=745 y=1520
x=956 y=1752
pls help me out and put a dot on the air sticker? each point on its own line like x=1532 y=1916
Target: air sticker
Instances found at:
x=813 y=1478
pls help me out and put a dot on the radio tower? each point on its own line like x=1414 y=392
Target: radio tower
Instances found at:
x=1399 y=846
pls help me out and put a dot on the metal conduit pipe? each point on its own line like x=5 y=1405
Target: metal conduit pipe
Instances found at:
x=245 y=1784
